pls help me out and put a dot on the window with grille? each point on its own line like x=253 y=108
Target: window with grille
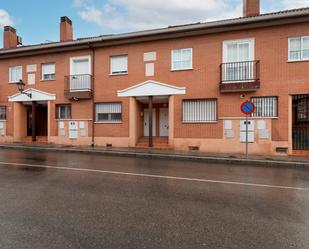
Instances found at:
x=64 y=112
x=299 y=48
x=108 y=112
x=202 y=110
x=265 y=106
x=119 y=64
x=48 y=71
x=182 y=59
x=15 y=74
x=3 y=110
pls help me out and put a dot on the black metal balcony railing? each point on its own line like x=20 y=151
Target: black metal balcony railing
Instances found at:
x=78 y=86
x=240 y=76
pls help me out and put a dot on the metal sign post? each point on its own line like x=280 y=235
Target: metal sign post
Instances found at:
x=247 y=108
x=247 y=135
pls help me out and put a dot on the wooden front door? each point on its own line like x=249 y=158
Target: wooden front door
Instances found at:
x=40 y=121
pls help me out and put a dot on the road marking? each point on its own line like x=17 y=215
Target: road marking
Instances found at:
x=155 y=176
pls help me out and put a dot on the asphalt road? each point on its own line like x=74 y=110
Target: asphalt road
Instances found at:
x=62 y=200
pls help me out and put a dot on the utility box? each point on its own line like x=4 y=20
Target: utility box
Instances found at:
x=73 y=130
x=243 y=125
x=242 y=134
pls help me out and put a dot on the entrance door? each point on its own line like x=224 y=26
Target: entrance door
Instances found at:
x=40 y=121
x=146 y=122
x=300 y=122
x=163 y=122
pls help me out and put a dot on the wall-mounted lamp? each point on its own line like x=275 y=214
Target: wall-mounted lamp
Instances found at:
x=21 y=87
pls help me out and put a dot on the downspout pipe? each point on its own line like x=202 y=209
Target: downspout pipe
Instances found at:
x=93 y=94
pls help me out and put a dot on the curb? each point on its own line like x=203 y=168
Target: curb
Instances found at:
x=155 y=155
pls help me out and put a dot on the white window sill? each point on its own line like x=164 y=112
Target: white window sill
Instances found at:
x=42 y=80
x=13 y=82
x=108 y=122
x=238 y=81
x=293 y=61
x=3 y=120
x=71 y=119
x=264 y=117
x=181 y=69
x=199 y=122
x=118 y=74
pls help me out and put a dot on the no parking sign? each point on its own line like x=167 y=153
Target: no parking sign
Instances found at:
x=247 y=107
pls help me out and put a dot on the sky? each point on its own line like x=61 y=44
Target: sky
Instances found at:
x=37 y=21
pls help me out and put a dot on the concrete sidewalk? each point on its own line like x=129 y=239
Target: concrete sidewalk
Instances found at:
x=167 y=154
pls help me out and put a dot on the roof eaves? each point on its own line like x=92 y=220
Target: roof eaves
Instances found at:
x=161 y=31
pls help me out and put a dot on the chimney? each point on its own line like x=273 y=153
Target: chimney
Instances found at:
x=10 y=39
x=251 y=8
x=66 y=29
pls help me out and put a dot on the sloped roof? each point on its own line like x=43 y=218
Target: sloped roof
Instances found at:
x=263 y=20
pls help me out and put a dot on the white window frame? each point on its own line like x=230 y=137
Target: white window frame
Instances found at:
x=86 y=57
x=44 y=64
x=183 y=68
x=5 y=112
x=59 y=111
x=21 y=70
x=119 y=56
x=203 y=117
x=301 y=48
x=251 y=42
x=108 y=121
x=250 y=68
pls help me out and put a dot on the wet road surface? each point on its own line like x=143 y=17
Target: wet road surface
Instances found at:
x=70 y=200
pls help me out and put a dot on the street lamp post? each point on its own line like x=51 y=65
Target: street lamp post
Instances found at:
x=21 y=87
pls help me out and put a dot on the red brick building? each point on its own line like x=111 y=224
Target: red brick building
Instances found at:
x=193 y=78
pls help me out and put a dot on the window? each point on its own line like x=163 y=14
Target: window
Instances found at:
x=238 y=50
x=238 y=59
x=182 y=59
x=265 y=106
x=64 y=111
x=3 y=112
x=15 y=74
x=48 y=71
x=119 y=64
x=108 y=112
x=80 y=70
x=299 y=48
x=204 y=110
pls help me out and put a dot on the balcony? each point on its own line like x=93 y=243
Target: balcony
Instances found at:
x=78 y=86
x=240 y=76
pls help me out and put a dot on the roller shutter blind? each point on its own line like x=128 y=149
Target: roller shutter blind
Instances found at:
x=200 y=110
x=108 y=112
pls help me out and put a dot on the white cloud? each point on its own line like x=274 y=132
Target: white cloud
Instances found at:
x=141 y=14
x=120 y=15
x=5 y=18
x=292 y=4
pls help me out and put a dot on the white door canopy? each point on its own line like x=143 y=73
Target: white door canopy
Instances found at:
x=151 y=88
x=36 y=95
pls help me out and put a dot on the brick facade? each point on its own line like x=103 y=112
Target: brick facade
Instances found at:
x=278 y=77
